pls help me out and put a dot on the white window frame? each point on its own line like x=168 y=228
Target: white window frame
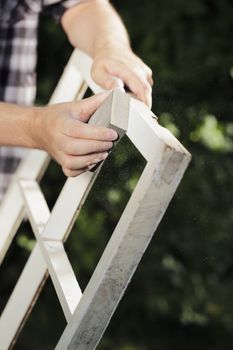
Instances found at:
x=87 y=313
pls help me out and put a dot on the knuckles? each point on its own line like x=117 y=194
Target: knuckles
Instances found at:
x=80 y=111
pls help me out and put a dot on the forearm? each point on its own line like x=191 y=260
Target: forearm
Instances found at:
x=61 y=130
x=93 y=26
x=16 y=127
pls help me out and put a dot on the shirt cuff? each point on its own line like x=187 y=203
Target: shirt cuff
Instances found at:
x=56 y=9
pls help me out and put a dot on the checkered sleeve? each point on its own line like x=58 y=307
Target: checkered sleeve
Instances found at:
x=57 y=8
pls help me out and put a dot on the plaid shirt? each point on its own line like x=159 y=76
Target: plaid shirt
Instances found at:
x=18 y=55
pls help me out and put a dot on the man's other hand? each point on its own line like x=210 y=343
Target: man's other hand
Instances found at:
x=95 y=27
x=118 y=66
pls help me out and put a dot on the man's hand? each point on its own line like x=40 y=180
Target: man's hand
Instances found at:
x=95 y=27
x=62 y=131
x=118 y=66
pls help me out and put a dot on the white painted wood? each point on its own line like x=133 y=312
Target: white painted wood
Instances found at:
x=71 y=85
x=12 y=206
x=83 y=63
x=88 y=315
x=132 y=235
x=72 y=198
x=11 y=214
x=64 y=212
x=75 y=190
x=22 y=299
x=143 y=128
x=67 y=206
x=145 y=132
x=36 y=205
x=71 y=82
x=63 y=277
x=60 y=270
x=36 y=162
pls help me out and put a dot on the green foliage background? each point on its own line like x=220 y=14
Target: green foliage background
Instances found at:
x=181 y=294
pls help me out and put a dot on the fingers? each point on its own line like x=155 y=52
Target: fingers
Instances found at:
x=73 y=173
x=74 y=144
x=112 y=83
x=75 y=128
x=118 y=71
x=149 y=75
x=73 y=166
x=79 y=147
x=104 y=79
x=83 y=110
x=138 y=84
x=137 y=76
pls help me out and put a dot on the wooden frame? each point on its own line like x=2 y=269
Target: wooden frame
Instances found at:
x=87 y=314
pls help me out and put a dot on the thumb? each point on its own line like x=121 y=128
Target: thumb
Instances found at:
x=83 y=110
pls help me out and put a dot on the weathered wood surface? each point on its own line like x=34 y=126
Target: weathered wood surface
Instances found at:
x=114 y=115
x=59 y=267
x=88 y=314
x=53 y=228
x=70 y=86
x=132 y=235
